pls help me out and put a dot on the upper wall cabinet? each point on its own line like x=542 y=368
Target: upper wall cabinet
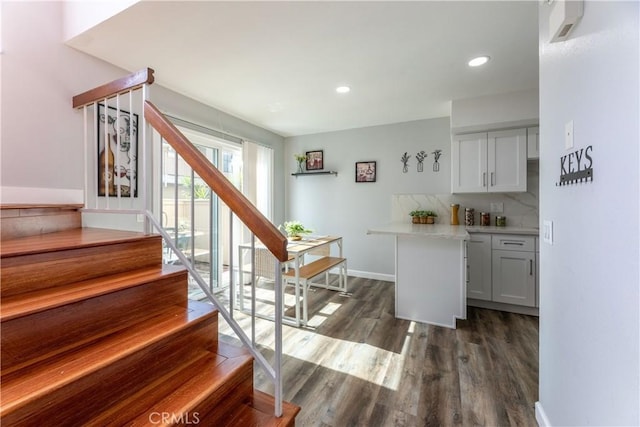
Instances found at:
x=533 y=143
x=494 y=162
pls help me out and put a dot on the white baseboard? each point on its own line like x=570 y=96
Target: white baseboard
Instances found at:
x=373 y=276
x=45 y=196
x=541 y=416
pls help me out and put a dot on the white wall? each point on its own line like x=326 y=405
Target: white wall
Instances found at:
x=79 y=16
x=497 y=111
x=589 y=284
x=41 y=135
x=338 y=205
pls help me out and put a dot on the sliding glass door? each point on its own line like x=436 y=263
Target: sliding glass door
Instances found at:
x=192 y=214
x=197 y=220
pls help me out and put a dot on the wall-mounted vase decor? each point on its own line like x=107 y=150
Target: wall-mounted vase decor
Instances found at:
x=405 y=162
x=420 y=157
x=436 y=156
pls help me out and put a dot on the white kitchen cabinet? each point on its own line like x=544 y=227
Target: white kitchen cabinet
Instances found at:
x=479 y=267
x=514 y=280
x=469 y=163
x=489 y=162
x=533 y=143
x=513 y=269
x=502 y=272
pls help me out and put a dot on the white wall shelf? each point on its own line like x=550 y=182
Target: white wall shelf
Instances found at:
x=315 y=173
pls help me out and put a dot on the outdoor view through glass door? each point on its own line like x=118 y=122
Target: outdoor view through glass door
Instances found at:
x=192 y=215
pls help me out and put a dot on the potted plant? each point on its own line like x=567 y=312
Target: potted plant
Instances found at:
x=415 y=216
x=431 y=216
x=301 y=159
x=295 y=230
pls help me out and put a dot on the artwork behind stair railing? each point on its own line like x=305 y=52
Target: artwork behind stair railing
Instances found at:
x=117 y=160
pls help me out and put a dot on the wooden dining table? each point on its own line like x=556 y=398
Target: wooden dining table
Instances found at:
x=309 y=258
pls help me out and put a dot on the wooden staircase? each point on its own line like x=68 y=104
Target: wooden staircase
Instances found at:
x=96 y=331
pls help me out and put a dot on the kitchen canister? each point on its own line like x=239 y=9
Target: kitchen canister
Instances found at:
x=469 y=213
x=454 y=214
x=485 y=219
x=501 y=221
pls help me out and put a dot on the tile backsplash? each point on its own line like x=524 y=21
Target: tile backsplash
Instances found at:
x=520 y=209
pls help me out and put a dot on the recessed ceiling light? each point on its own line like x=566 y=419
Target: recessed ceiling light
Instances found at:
x=480 y=60
x=343 y=89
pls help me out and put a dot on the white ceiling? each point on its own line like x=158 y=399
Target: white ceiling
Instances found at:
x=276 y=64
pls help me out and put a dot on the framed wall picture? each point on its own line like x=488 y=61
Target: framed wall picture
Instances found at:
x=315 y=160
x=118 y=159
x=365 y=171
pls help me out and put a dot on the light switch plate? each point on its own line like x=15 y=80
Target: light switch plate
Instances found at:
x=547 y=231
x=568 y=135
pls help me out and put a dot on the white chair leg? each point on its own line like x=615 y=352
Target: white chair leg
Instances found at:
x=305 y=306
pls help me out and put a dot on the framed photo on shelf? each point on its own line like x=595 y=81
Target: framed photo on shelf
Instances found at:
x=118 y=158
x=365 y=171
x=315 y=160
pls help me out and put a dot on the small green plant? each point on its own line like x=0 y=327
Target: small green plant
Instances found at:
x=430 y=213
x=300 y=157
x=295 y=229
x=200 y=190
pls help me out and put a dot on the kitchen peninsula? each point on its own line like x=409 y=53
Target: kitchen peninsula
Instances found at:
x=430 y=272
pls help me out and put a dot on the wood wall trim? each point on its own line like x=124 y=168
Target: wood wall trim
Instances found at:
x=40 y=206
x=109 y=90
x=264 y=230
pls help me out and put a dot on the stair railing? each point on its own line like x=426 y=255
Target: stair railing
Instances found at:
x=123 y=182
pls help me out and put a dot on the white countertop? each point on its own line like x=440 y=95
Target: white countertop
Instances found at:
x=438 y=231
x=445 y=231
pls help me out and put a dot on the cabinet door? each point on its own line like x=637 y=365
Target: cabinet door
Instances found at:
x=514 y=280
x=533 y=143
x=469 y=163
x=479 y=267
x=507 y=161
x=537 y=279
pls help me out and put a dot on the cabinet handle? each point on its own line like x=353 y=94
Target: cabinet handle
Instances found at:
x=513 y=243
x=530 y=267
x=484 y=179
x=493 y=181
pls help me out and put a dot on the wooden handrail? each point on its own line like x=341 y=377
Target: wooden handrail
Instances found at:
x=109 y=90
x=264 y=230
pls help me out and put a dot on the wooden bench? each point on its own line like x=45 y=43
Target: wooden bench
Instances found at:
x=309 y=271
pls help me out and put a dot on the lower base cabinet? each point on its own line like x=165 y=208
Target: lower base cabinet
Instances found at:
x=513 y=277
x=502 y=269
x=479 y=267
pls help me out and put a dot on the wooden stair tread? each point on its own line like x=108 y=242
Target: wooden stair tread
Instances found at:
x=98 y=331
x=19 y=305
x=55 y=373
x=67 y=239
x=260 y=412
x=316 y=267
x=183 y=391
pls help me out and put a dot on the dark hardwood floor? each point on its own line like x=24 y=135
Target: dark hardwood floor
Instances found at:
x=357 y=365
